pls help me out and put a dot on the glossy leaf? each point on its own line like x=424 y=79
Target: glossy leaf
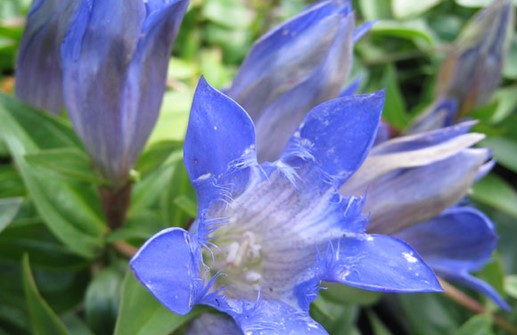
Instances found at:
x=8 y=210
x=71 y=209
x=496 y=192
x=65 y=162
x=477 y=325
x=141 y=314
x=44 y=320
x=407 y=8
x=102 y=300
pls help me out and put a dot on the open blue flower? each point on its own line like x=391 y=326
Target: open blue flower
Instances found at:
x=267 y=234
x=413 y=184
x=107 y=61
x=407 y=180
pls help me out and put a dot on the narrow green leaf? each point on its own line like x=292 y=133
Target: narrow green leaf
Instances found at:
x=179 y=201
x=375 y=9
x=65 y=162
x=378 y=327
x=415 y=30
x=408 y=8
x=505 y=151
x=141 y=314
x=156 y=155
x=394 y=111
x=493 y=273
x=477 y=3
x=188 y=205
x=476 y=325
x=102 y=300
x=349 y=295
x=44 y=320
x=76 y=325
x=8 y=210
x=11 y=184
x=510 y=286
x=71 y=209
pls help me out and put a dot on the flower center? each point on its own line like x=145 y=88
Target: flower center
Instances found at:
x=239 y=259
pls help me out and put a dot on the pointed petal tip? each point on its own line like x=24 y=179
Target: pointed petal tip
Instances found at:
x=220 y=126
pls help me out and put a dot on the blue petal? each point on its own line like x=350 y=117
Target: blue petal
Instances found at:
x=363 y=29
x=38 y=69
x=407 y=196
x=168 y=265
x=459 y=241
x=220 y=136
x=276 y=318
x=114 y=70
x=288 y=49
x=378 y=263
x=423 y=140
x=299 y=65
x=441 y=114
x=336 y=136
x=473 y=70
x=148 y=71
x=96 y=54
x=213 y=324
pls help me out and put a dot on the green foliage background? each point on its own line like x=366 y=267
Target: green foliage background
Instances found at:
x=64 y=272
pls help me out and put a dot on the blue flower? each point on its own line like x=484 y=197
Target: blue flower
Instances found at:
x=457 y=242
x=112 y=59
x=413 y=184
x=298 y=65
x=38 y=70
x=267 y=234
x=407 y=180
x=472 y=71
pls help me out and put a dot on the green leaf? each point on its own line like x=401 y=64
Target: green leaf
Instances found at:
x=394 y=111
x=510 y=66
x=71 y=209
x=179 y=201
x=228 y=13
x=102 y=300
x=173 y=120
x=8 y=210
x=141 y=314
x=349 y=295
x=28 y=235
x=506 y=101
x=493 y=273
x=66 y=162
x=408 y=8
x=496 y=192
x=415 y=309
x=505 y=150
x=415 y=30
x=44 y=320
x=378 y=327
x=477 y=3
x=375 y=9
x=336 y=317
x=156 y=155
x=510 y=286
x=11 y=185
x=476 y=325
x=75 y=324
